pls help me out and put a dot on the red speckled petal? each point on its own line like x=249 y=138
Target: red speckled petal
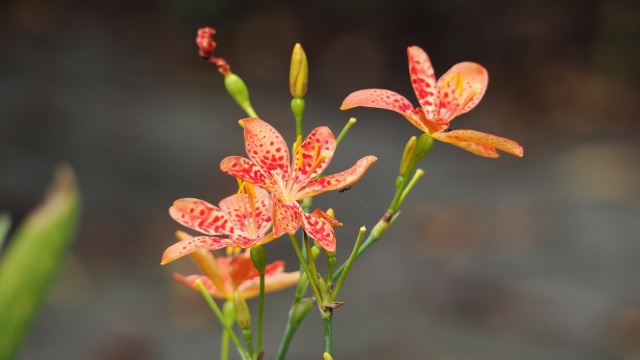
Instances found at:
x=321 y=230
x=202 y=216
x=186 y=247
x=272 y=282
x=423 y=80
x=245 y=170
x=339 y=180
x=383 y=99
x=252 y=223
x=286 y=217
x=485 y=141
x=321 y=214
x=241 y=269
x=461 y=93
x=265 y=146
x=322 y=139
x=190 y=281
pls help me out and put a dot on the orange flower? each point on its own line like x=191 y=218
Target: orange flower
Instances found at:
x=237 y=273
x=245 y=218
x=289 y=180
x=456 y=92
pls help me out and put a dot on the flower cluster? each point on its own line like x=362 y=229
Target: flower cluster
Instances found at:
x=276 y=183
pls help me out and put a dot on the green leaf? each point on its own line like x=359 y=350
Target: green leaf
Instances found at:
x=5 y=224
x=33 y=259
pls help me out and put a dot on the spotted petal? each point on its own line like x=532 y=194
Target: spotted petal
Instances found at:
x=423 y=80
x=319 y=143
x=275 y=279
x=190 y=281
x=382 y=99
x=461 y=89
x=265 y=146
x=286 y=216
x=486 y=143
x=245 y=170
x=186 y=247
x=339 y=180
x=202 y=216
x=320 y=229
x=254 y=222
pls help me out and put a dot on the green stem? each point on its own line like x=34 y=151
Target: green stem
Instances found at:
x=352 y=258
x=327 y=334
x=344 y=131
x=228 y=311
x=224 y=346
x=419 y=173
x=221 y=318
x=305 y=266
x=261 y=312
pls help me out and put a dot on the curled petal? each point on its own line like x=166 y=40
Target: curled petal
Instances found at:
x=423 y=80
x=321 y=214
x=383 y=99
x=190 y=281
x=286 y=217
x=461 y=89
x=320 y=229
x=317 y=151
x=202 y=216
x=265 y=146
x=245 y=170
x=486 y=143
x=251 y=215
x=186 y=247
x=339 y=180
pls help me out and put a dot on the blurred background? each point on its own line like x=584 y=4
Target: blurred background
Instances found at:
x=532 y=258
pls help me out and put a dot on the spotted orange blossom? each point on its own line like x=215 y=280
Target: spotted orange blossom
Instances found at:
x=245 y=218
x=236 y=273
x=456 y=92
x=291 y=179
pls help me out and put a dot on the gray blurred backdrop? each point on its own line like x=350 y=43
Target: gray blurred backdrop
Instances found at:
x=528 y=259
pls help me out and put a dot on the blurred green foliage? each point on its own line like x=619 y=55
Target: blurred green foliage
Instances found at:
x=33 y=258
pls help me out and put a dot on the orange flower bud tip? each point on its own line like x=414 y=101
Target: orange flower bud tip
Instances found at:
x=241 y=122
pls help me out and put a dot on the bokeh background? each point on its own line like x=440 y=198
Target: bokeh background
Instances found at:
x=532 y=258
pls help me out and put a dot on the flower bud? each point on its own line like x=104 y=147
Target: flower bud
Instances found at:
x=299 y=73
x=407 y=156
x=299 y=311
x=243 y=316
x=327 y=356
x=423 y=146
x=259 y=258
x=238 y=90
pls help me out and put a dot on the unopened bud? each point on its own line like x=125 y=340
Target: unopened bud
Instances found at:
x=238 y=90
x=299 y=311
x=243 y=316
x=327 y=356
x=423 y=146
x=259 y=258
x=299 y=72
x=407 y=156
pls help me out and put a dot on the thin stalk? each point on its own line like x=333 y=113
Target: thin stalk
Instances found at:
x=224 y=346
x=345 y=130
x=352 y=258
x=261 y=312
x=305 y=266
x=221 y=318
x=419 y=173
x=327 y=334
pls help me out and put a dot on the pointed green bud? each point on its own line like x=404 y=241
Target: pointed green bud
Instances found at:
x=299 y=73
x=299 y=311
x=243 y=316
x=423 y=146
x=407 y=156
x=259 y=258
x=315 y=251
x=239 y=92
x=229 y=311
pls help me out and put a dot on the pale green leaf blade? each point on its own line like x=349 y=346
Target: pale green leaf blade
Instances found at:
x=33 y=259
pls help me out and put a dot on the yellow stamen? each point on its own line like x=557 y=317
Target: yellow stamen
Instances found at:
x=317 y=163
x=459 y=84
x=233 y=250
x=316 y=149
x=444 y=83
